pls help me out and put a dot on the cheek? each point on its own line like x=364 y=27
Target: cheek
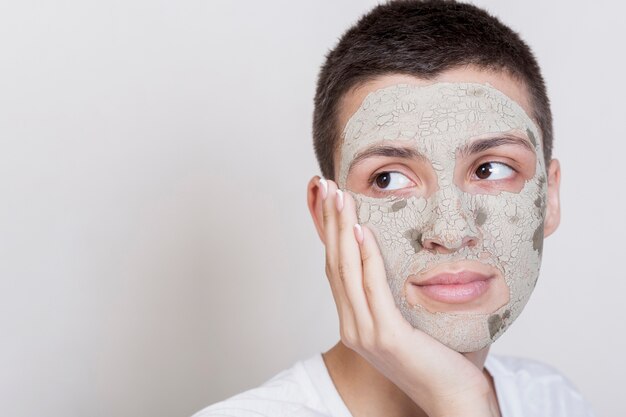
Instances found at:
x=397 y=226
x=512 y=230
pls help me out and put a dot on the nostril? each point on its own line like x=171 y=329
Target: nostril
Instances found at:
x=435 y=246
x=470 y=242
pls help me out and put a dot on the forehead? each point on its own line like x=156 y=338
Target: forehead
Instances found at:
x=449 y=109
x=510 y=87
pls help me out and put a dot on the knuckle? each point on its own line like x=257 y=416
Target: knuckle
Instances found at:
x=328 y=270
x=344 y=271
x=326 y=216
x=366 y=254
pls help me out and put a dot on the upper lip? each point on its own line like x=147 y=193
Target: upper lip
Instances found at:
x=455 y=273
x=454 y=278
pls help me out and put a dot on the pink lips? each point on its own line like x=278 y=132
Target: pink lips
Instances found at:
x=455 y=288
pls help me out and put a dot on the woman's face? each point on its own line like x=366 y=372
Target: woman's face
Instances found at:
x=450 y=177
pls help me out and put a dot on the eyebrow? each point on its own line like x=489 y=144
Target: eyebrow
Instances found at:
x=387 y=151
x=475 y=147
x=483 y=145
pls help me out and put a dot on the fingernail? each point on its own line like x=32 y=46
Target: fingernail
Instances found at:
x=339 y=200
x=358 y=233
x=324 y=188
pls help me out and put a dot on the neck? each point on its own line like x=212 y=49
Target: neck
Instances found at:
x=366 y=392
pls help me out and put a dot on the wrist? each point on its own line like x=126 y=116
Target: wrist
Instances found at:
x=482 y=403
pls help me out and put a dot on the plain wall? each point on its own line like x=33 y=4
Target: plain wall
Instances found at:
x=156 y=252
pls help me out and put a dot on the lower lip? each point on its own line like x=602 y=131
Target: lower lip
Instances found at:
x=455 y=293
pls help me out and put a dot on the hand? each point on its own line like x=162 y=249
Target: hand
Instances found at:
x=441 y=381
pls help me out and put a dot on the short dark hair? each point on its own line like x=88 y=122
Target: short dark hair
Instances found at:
x=423 y=39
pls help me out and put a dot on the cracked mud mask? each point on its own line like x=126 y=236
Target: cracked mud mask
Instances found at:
x=462 y=243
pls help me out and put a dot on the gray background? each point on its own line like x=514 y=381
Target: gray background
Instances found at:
x=156 y=252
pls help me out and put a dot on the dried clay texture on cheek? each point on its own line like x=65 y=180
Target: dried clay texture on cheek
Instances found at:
x=439 y=119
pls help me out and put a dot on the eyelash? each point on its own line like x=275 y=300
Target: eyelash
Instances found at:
x=372 y=179
x=474 y=176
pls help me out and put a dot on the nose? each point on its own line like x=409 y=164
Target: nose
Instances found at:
x=452 y=225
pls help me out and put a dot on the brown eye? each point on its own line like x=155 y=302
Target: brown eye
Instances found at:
x=494 y=171
x=484 y=171
x=383 y=179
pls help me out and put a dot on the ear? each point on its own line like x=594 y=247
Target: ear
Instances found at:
x=553 y=209
x=314 y=201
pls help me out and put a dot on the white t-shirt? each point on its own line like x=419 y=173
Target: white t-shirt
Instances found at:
x=524 y=388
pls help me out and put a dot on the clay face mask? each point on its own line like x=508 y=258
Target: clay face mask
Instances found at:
x=441 y=122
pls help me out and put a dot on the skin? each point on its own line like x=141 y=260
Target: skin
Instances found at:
x=383 y=365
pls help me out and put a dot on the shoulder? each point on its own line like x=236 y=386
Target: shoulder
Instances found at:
x=289 y=393
x=536 y=388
